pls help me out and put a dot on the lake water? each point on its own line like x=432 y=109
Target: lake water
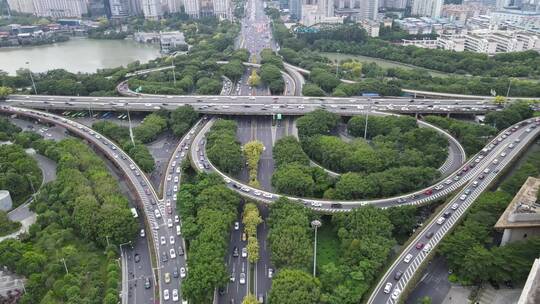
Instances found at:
x=77 y=55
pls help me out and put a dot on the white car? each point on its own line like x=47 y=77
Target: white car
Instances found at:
x=166 y=294
x=236 y=225
x=463 y=197
x=227 y=180
x=175 y=188
x=168 y=203
x=242 y=278
x=182 y=272
x=244 y=252
x=175 y=295
x=172 y=253
x=395 y=294
x=142 y=233
x=455 y=206
x=267 y=195
x=176 y=179
x=157 y=213
x=257 y=192
x=162 y=240
x=427 y=248
x=169 y=223
x=171 y=240
x=387 y=287
x=176 y=219
x=316 y=204
x=407 y=259
x=174 y=197
x=169 y=177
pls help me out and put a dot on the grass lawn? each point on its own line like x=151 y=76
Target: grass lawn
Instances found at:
x=327 y=244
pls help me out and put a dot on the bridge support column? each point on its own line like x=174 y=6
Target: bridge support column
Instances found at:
x=416 y=115
x=448 y=115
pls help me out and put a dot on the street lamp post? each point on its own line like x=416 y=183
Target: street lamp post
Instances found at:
x=173 y=74
x=31 y=77
x=315 y=224
x=367 y=117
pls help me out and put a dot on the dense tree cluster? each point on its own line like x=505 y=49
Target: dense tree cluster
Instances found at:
x=207 y=208
x=252 y=152
x=386 y=183
x=251 y=219
x=400 y=157
x=62 y=82
x=7 y=129
x=289 y=235
x=365 y=236
x=77 y=212
x=469 y=248
x=19 y=172
x=181 y=119
x=7 y=226
x=152 y=125
x=513 y=113
x=234 y=69
x=223 y=149
x=472 y=136
x=293 y=175
x=271 y=76
x=294 y=286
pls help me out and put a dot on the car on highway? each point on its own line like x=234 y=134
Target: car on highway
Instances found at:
x=162 y=240
x=171 y=240
x=164 y=257
x=270 y=273
x=169 y=177
x=178 y=230
x=395 y=294
x=137 y=258
x=169 y=210
x=441 y=220
x=242 y=278
x=398 y=275
x=169 y=223
x=427 y=248
x=387 y=287
x=166 y=294
x=419 y=245
x=157 y=213
x=454 y=206
x=180 y=250
x=175 y=272
x=147 y=283
x=235 y=252
x=244 y=252
x=182 y=272
x=176 y=219
x=316 y=204
x=142 y=233
x=407 y=259
x=167 y=277
x=172 y=253
x=175 y=295
x=236 y=225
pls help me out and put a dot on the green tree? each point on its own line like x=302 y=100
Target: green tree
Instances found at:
x=294 y=287
x=5 y=91
x=250 y=299
x=6 y=225
x=254 y=79
x=182 y=118
x=234 y=69
x=252 y=153
x=311 y=89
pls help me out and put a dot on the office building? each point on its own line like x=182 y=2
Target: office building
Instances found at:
x=427 y=8
x=295 y=9
x=192 y=8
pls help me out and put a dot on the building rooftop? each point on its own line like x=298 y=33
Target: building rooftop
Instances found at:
x=531 y=290
x=523 y=211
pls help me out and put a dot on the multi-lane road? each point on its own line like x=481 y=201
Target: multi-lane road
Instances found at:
x=254 y=105
x=502 y=150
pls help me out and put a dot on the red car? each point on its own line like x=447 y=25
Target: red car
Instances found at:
x=169 y=210
x=428 y=192
x=419 y=245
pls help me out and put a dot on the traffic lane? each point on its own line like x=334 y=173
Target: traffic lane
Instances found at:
x=263 y=281
x=265 y=133
x=463 y=203
x=256 y=108
x=401 y=101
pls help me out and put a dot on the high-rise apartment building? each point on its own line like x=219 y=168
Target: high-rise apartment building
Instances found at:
x=152 y=9
x=50 y=8
x=174 y=6
x=119 y=8
x=192 y=8
x=427 y=8
x=295 y=9
x=222 y=8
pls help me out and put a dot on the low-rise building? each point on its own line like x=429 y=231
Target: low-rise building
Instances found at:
x=521 y=219
x=372 y=27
